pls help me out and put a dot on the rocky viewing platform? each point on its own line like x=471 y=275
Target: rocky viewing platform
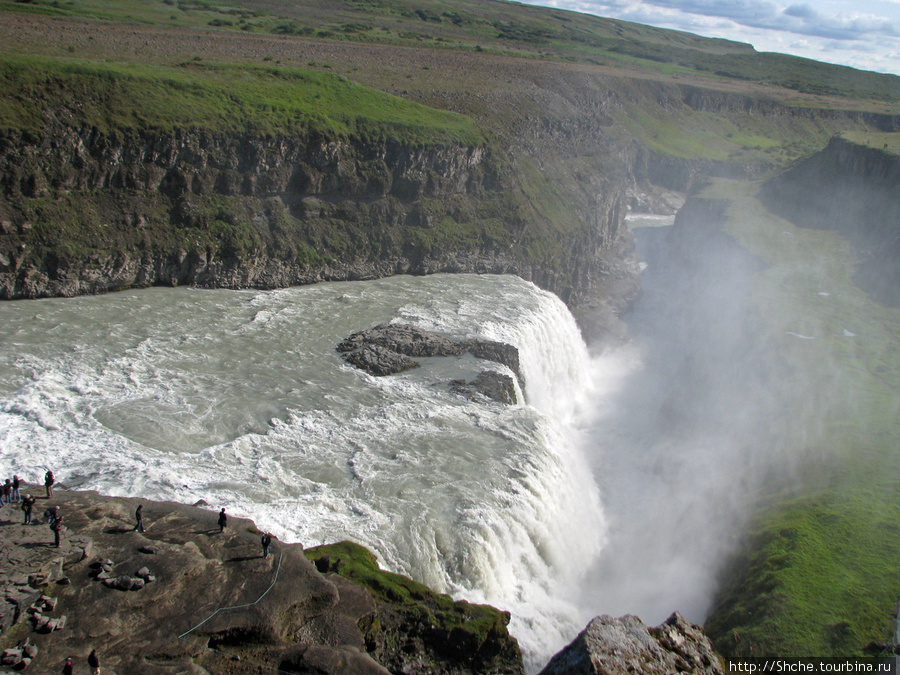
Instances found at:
x=186 y=596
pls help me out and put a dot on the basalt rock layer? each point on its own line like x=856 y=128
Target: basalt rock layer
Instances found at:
x=86 y=212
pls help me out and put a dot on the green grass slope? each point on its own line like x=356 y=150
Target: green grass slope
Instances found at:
x=817 y=574
x=123 y=97
x=494 y=26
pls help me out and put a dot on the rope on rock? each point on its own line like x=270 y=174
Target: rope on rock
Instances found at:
x=222 y=609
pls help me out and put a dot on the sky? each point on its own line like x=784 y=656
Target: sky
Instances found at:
x=863 y=34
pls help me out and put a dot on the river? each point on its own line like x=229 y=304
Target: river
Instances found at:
x=565 y=506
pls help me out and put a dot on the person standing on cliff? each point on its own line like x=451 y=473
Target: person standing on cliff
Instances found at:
x=49 y=480
x=139 y=517
x=7 y=492
x=94 y=662
x=57 y=529
x=266 y=543
x=223 y=520
x=68 y=667
x=27 y=505
x=16 y=483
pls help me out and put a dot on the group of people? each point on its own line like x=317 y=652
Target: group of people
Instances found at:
x=11 y=492
x=92 y=659
x=266 y=540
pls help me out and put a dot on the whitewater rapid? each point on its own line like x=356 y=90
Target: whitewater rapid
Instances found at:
x=239 y=398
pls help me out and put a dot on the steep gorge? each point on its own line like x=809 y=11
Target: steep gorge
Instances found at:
x=85 y=210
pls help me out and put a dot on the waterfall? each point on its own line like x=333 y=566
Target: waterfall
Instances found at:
x=240 y=399
x=533 y=547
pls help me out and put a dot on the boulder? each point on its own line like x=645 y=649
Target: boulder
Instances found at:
x=10 y=656
x=378 y=360
x=124 y=583
x=488 y=384
x=613 y=646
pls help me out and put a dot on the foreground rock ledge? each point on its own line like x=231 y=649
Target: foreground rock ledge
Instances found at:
x=620 y=646
x=147 y=602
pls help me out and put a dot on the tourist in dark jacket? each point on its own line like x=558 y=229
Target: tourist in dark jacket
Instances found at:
x=57 y=529
x=49 y=480
x=51 y=515
x=94 y=662
x=139 y=517
x=266 y=543
x=223 y=520
x=27 y=505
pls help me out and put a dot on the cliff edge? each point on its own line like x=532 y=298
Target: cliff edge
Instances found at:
x=186 y=596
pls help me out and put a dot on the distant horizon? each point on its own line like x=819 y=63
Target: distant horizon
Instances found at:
x=861 y=34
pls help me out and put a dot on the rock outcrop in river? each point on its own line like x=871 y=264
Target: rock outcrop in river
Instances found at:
x=388 y=349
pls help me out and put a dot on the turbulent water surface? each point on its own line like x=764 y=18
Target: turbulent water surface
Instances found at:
x=239 y=398
x=613 y=488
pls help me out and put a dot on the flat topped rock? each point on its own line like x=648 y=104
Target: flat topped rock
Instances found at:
x=403 y=339
x=378 y=360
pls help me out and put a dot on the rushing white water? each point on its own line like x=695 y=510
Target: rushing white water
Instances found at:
x=239 y=398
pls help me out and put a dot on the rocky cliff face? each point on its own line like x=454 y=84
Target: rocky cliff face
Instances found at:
x=87 y=212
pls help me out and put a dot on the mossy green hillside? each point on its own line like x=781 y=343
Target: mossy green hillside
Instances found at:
x=444 y=621
x=817 y=574
x=123 y=97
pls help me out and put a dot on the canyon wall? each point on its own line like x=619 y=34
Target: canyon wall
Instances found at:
x=851 y=188
x=86 y=212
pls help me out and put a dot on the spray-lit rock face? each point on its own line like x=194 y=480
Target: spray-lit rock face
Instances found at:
x=625 y=645
x=852 y=189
